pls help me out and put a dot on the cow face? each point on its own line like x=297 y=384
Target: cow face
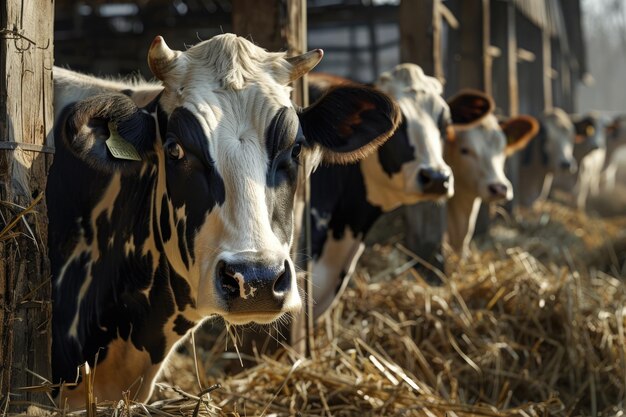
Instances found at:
x=558 y=146
x=225 y=158
x=412 y=162
x=590 y=135
x=477 y=152
x=616 y=129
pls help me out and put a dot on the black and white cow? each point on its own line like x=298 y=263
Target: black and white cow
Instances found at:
x=347 y=200
x=197 y=221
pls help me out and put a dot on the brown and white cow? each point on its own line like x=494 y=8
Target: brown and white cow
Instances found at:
x=477 y=153
x=347 y=200
x=177 y=205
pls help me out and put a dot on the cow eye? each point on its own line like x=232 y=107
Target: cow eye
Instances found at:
x=296 y=150
x=465 y=151
x=174 y=150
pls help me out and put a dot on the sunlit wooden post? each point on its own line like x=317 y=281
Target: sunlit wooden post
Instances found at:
x=26 y=117
x=505 y=88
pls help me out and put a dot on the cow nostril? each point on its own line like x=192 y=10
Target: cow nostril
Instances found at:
x=424 y=177
x=283 y=282
x=227 y=280
x=498 y=190
x=566 y=165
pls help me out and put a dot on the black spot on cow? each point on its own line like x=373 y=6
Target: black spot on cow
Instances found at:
x=181 y=291
x=283 y=141
x=396 y=151
x=182 y=325
x=193 y=181
x=338 y=194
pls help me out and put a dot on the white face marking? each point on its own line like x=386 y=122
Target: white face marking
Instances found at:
x=559 y=141
x=477 y=157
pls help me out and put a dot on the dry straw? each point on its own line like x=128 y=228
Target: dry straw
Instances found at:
x=530 y=325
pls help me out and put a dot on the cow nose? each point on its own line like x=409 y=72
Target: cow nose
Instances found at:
x=498 y=190
x=566 y=165
x=433 y=181
x=253 y=287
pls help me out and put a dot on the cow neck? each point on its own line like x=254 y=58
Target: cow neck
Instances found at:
x=339 y=205
x=462 y=210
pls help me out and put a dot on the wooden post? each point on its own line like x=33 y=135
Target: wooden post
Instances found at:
x=504 y=78
x=420 y=43
x=281 y=25
x=26 y=118
x=470 y=50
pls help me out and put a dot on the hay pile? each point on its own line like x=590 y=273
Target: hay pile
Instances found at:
x=530 y=325
x=525 y=327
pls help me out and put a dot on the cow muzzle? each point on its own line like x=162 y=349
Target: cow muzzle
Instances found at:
x=434 y=182
x=251 y=288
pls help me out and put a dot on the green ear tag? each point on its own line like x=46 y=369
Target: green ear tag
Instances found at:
x=120 y=148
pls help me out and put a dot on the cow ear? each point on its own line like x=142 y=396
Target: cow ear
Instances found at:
x=349 y=122
x=518 y=132
x=110 y=133
x=469 y=107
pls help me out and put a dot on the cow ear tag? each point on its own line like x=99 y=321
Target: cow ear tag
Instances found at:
x=120 y=148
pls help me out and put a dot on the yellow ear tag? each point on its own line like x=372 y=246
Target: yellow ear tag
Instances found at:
x=120 y=148
x=590 y=130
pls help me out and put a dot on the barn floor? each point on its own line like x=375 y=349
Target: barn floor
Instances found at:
x=533 y=324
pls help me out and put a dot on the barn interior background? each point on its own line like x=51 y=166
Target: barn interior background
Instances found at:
x=531 y=324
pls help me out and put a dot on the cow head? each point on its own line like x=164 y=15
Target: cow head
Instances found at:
x=224 y=143
x=616 y=129
x=477 y=152
x=412 y=162
x=590 y=134
x=558 y=146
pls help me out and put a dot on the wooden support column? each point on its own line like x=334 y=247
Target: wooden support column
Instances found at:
x=281 y=25
x=471 y=53
x=532 y=100
x=26 y=117
x=420 y=43
x=546 y=49
x=504 y=76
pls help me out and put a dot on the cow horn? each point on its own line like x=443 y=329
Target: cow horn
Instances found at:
x=301 y=64
x=161 y=58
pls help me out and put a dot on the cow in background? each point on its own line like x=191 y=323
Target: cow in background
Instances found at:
x=590 y=154
x=615 y=152
x=164 y=214
x=347 y=200
x=550 y=155
x=477 y=153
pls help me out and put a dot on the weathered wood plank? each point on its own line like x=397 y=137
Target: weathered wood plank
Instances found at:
x=26 y=58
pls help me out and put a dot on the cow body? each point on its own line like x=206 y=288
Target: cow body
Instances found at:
x=615 y=152
x=142 y=251
x=477 y=155
x=409 y=168
x=550 y=155
x=589 y=151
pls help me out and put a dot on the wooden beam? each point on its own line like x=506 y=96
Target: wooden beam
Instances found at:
x=26 y=118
